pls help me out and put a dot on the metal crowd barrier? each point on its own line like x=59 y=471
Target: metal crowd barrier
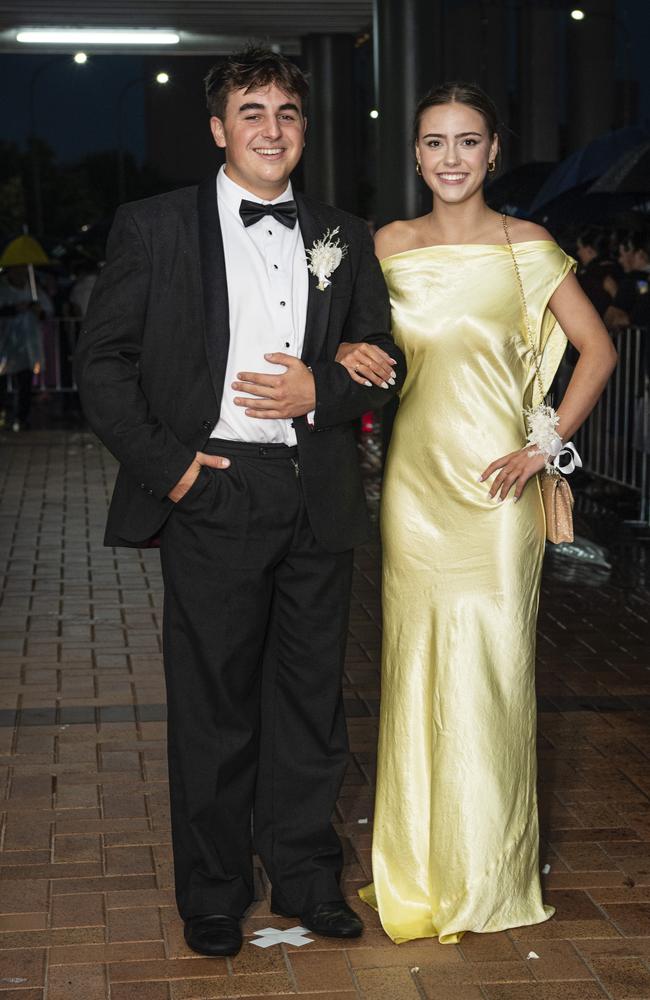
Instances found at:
x=614 y=442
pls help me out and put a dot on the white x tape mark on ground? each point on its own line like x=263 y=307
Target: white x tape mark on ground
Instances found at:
x=273 y=935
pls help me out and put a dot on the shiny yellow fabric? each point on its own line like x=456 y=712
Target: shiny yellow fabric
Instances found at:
x=455 y=843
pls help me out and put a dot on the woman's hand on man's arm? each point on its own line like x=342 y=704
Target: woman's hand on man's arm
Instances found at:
x=367 y=364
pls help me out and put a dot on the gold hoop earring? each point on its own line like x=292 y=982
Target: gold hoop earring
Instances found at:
x=492 y=166
x=418 y=168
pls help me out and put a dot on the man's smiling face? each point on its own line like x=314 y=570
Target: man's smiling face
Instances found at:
x=263 y=133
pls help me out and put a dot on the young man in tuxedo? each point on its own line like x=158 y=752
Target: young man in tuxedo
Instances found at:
x=207 y=365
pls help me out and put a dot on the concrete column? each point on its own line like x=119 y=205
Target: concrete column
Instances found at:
x=408 y=41
x=330 y=161
x=590 y=70
x=538 y=111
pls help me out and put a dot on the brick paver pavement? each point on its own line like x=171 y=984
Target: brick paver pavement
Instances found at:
x=86 y=904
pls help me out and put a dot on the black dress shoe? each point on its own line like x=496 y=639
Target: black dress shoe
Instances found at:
x=214 y=934
x=331 y=919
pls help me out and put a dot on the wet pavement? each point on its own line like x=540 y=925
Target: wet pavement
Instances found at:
x=86 y=904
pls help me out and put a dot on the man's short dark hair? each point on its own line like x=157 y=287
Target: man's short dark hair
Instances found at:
x=255 y=66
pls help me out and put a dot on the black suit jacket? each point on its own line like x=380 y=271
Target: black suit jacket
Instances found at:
x=152 y=356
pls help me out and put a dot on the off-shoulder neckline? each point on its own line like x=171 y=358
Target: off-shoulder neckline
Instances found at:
x=464 y=246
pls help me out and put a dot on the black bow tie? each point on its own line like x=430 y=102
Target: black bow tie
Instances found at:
x=283 y=211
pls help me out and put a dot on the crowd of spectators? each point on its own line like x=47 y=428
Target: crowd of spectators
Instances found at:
x=614 y=270
x=39 y=327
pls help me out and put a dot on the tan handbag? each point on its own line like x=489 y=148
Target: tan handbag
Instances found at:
x=556 y=492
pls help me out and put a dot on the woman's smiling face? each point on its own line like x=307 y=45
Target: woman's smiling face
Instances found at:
x=454 y=149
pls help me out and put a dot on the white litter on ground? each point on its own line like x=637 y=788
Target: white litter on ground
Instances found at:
x=269 y=936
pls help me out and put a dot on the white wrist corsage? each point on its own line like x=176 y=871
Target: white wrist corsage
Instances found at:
x=542 y=421
x=325 y=256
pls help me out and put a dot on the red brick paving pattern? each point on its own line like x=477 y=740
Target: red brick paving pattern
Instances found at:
x=86 y=905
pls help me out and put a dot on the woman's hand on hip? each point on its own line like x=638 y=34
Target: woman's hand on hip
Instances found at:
x=515 y=470
x=366 y=364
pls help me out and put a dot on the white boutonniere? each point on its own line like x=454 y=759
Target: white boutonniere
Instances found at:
x=325 y=256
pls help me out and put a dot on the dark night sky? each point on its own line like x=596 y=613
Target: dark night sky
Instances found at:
x=76 y=106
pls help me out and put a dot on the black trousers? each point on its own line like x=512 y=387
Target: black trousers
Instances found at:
x=22 y=396
x=255 y=623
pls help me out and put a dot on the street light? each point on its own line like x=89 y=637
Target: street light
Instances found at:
x=36 y=167
x=374 y=113
x=577 y=14
x=161 y=79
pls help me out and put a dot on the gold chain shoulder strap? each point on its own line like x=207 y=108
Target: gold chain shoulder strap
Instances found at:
x=524 y=309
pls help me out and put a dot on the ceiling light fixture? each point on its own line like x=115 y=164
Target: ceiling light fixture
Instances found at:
x=97 y=36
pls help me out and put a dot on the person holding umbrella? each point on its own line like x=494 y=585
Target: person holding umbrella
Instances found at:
x=22 y=306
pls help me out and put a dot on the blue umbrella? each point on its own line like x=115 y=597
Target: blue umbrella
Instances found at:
x=630 y=174
x=588 y=163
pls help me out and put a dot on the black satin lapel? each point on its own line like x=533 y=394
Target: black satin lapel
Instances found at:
x=318 y=303
x=214 y=284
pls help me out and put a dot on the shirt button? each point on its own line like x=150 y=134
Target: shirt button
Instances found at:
x=270 y=232
x=287 y=344
x=275 y=267
x=283 y=303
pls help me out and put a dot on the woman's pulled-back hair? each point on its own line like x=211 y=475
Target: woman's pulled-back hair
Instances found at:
x=255 y=66
x=458 y=92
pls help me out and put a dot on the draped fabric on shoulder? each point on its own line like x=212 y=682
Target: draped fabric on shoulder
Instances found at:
x=539 y=285
x=455 y=843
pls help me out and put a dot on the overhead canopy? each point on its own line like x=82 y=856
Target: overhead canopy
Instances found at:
x=211 y=26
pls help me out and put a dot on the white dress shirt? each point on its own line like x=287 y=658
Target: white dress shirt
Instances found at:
x=268 y=285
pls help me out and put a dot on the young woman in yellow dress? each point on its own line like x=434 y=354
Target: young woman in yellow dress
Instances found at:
x=456 y=840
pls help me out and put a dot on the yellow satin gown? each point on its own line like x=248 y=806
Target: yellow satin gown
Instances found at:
x=455 y=845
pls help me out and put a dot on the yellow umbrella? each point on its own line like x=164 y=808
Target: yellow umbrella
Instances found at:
x=25 y=251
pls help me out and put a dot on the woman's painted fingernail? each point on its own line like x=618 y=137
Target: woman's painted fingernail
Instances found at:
x=384 y=385
x=392 y=380
x=392 y=361
x=480 y=479
x=369 y=384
